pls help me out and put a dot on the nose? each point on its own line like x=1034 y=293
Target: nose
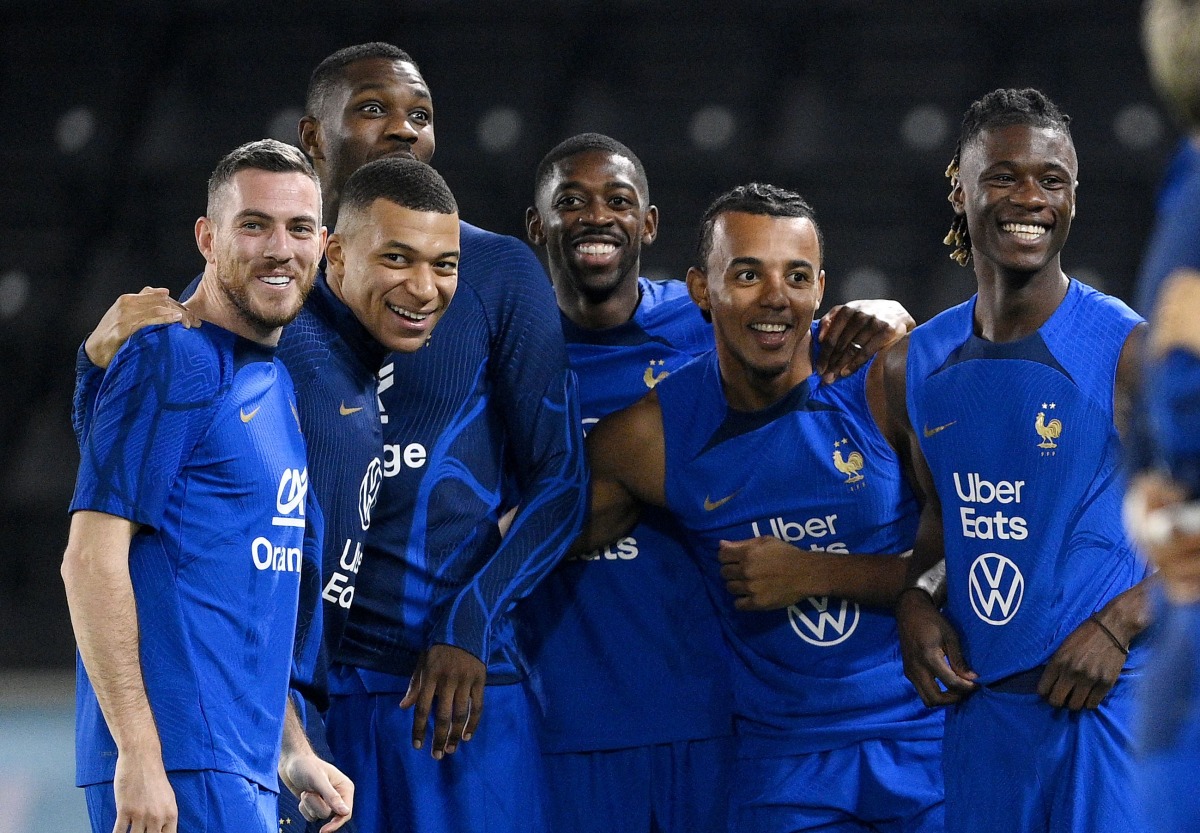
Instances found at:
x=1029 y=192
x=280 y=245
x=595 y=213
x=772 y=291
x=399 y=127
x=422 y=285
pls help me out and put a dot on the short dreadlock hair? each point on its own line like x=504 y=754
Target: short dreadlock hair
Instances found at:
x=999 y=108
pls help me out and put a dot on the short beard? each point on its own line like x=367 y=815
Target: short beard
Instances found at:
x=239 y=297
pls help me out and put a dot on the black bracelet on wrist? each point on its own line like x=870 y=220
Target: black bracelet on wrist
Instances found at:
x=1124 y=650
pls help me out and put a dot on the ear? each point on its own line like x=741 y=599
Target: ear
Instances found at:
x=335 y=263
x=204 y=239
x=697 y=284
x=957 y=200
x=820 y=288
x=533 y=227
x=309 y=131
x=650 y=228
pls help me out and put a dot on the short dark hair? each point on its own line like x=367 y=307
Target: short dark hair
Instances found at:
x=999 y=108
x=754 y=198
x=582 y=143
x=407 y=182
x=261 y=155
x=330 y=71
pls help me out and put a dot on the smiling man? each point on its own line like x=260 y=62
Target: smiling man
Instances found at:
x=744 y=447
x=390 y=275
x=191 y=517
x=1007 y=408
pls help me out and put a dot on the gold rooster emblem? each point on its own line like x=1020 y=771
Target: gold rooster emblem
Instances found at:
x=848 y=466
x=650 y=377
x=1048 y=431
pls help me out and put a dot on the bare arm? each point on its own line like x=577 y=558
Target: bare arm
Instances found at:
x=130 y=313
x=627 y=454
x=766 y=573
x=95 y=570
x=850 y=334
x=928 y=642
x=322 y=788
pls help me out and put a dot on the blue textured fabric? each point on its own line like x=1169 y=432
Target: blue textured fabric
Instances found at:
x=814 y=470
x=629 y=630
x=484 y=417
x=1027 y=463
x=1174 y=241
x=194 y=435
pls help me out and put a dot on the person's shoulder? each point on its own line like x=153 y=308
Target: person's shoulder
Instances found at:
x=488 y=253
x=1095 y=301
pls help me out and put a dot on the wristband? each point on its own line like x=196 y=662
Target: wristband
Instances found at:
x=1111 y=635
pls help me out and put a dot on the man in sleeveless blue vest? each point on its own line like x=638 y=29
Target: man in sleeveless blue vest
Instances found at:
x=191 y=517
x=1006 y=407
x=641 y=741
x=794 y=508
x=390 y=274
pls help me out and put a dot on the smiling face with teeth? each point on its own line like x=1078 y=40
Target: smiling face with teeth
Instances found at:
x=396 y=268
x=262 y=242
x=1017 y=190
x=762 y=286
x=592 y=214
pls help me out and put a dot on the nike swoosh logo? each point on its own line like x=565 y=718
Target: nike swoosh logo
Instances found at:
x=929 y=432
x=344 y=411
x=246 y=417
x=710 y=505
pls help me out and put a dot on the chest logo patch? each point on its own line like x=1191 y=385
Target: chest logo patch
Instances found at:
x=823 y=621
x=849 y=465
x=650 y=377
x=1048 y=431
x=996 y=588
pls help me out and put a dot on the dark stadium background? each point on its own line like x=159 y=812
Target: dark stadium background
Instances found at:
x=112 y=114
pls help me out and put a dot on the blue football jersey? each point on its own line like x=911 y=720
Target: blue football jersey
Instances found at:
x=194 y=435
x=814 y=470
x=1020 y=440
x=629 y=630
x=487 y=403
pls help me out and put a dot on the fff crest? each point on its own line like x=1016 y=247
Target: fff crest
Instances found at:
x=849 y=465
x=1048 y=431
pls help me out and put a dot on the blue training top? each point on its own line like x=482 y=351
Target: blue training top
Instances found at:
x=484 y=417
x=628 y=630
x=1020 y=440
x=812 y=469
x=194 y=435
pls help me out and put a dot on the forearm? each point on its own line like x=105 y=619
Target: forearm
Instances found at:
x=871 y=580
x=1128 y=614
x=295 y=738
x=104 y=616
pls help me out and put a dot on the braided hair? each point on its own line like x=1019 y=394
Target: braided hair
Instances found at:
x=999 y=108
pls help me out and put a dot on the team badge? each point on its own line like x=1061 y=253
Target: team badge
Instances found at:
x=996 y=588
x=650 y=377
x=850 y=465
x=823 y=621
x=1048 y=431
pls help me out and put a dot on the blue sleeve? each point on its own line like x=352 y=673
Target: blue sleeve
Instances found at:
x=538 y=399
x=310 y=664
x=1173 y=402
x=154 y=404
x=87 y=385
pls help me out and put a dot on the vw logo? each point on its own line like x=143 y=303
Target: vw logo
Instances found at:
x=368 y=492
x=816 y=623
x=996 y=588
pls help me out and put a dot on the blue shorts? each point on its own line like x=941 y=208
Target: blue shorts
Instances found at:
x=209 y=802
x=1168 y=725
x=679 y=787
x=1014 y=763
x=291 y=820
x=494 y=783
x=890 y=786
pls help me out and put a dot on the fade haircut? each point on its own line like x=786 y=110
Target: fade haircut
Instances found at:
x=583 y=143
x=331 y=71
x=406 y=182
x=754 y=198
x=263 y=155
x=999 y=108
x=1171 y=41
